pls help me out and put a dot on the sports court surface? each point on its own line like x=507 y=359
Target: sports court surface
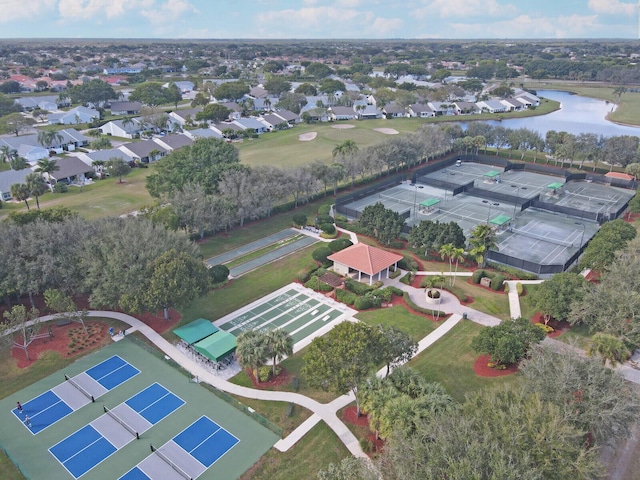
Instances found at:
x=526 y=238
x=294 y=308
x=155 y=402
x=67 y=397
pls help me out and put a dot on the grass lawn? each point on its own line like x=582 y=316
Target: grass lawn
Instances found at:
x=578 y=335
x=526 y=306
x=449 y=361
x=315 y=451
x=276 y=413
x=244 y=290
x=101 y=199
x=415 y=325
x=222 y=243
x=484 y=300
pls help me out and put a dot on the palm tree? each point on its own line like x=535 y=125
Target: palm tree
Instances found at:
x=251 y=351
x=446 y=251
x=48 y=138
x=609 y=348
x=483 y=238
x=47 y=166
x=7 y=153
x=36 y=185
x=280 y=344
x=21 y=193
x=456 y=255
x=348 y=147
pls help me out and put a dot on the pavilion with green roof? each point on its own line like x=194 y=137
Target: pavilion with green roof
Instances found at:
x=195 y=331
x=428 y=205
x=500 y=221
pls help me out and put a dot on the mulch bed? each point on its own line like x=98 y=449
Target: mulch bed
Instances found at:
x=417 y=280
x=349 y=416
x=593 y=277
x=283 y=378
x=482 y=370
x=62 y=338
x=631 y=217
x=558 y=327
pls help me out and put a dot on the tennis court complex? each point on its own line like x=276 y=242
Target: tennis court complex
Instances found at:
x=156 y=404
x=296 y=309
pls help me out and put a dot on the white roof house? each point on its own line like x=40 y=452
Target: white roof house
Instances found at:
x=74 y=116
x=8 y=178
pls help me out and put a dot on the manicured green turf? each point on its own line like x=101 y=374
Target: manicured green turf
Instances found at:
x=526 y=305
x=484 y=300
x=315 y=451
x=449 y=361
x=415 y=325
x=103 y=198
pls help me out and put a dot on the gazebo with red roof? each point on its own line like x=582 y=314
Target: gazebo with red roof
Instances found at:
x=365 y=259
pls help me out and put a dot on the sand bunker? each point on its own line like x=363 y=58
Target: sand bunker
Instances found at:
x=343 y=126
x=307 y=137
x=387 y=131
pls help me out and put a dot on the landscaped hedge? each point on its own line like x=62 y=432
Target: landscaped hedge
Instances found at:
x=513 y=272
x=324 y=209
x=497 y=281
x=345 y=296
x=360 y=288
x=304 y=275
x=406 y=279
x=519 y=288
x=325 y=219
x=427 y=311
x=315 y=284
x=395 y=273
x=340 y=244
x=320 y=254
x=363 y=303
x=408 y=263
x=477 y=276
x=329 y=228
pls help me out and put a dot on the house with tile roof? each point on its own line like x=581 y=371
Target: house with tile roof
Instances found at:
x=360 y=259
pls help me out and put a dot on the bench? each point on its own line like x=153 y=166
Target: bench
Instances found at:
x=62 y=323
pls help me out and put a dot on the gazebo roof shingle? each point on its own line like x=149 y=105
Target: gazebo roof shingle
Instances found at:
x=366 y=259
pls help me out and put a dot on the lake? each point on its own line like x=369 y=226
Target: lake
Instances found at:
x=576 y=115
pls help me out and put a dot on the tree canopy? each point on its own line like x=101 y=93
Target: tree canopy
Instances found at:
x=509 y=341
x=384 y=224
x=94 y=92
x=555 y=295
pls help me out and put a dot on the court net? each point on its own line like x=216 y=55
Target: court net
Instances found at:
x=543 y=238
x=470 y=218
x=127 y=427
x=391 y=198
x=79 y=387
x=177 y=468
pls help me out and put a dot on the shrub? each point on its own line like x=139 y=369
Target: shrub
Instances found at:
x=328 y=235
x=340 y=244
x=362 y=303
x=218 y=274
x=266 y=371
x=60 y=188
x=519 y=288
x=477 y=276
x=325 y=219
x=320 y=254
x=315 y=284
x=506 y=288
x=305 y=274
x=417 y=308
x=513 y=272
x=395 y=274
x=406 y=279
x=367 y=445
x=329 y=228
x=496 y=282
x=397 y=244
x=408 y=263
x=345 y=296
x=324 y=209
x=546 y=328
x=300 y=219
x=395 y=290
x=340 y=218
x=433 y=294
x=358 y=288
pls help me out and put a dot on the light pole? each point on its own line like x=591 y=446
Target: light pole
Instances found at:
x=490 y=204
x=582 y=236
x=415 y=195
x=515 y=205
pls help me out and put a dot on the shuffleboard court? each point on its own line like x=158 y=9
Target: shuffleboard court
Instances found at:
x=84 y=449
x=187 y=455
x=251 y=247
x=65 y=398
x=300 y=311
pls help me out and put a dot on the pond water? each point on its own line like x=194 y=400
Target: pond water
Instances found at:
x=576 y=115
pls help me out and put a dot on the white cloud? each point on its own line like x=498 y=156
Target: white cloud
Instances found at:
x=464 y=8
x=30 y=9
x=98 y=8
x=168 y=12
x=612 y=7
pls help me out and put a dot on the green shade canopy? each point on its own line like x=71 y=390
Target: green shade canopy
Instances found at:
x=555 y=185
x=500 y=220
x=196 y=330
x=429 y=202
x=217 y=346
x=492 y=174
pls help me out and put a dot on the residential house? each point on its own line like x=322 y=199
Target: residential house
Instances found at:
x=465 y=108
x=529 y=99
x=342 y=113
x=185 y=117
x=316 y=114
x=513 y=104
x=31 y=150
x=253 y=124
x=491 y=106
x=125 y=108
x=368 y=112
x=393 y=110
x=71 y=170
x=173 y=142
x=441 y=108
x=102 y=156
x=48 y=102
x=421 y=110
x=130 y=128
x=124 y=70
x=272 y=121
x=288 y=116
x=74 y=116
x=236 y=110
x=8 y=178
x=185 y=86
x=202 y=133
x=145 y=152
x=223 y=127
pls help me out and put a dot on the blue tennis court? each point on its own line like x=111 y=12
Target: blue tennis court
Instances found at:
x=84 y=449
x=189 y=454
x=67 y=397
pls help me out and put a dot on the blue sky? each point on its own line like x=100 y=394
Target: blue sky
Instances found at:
x=319 y=18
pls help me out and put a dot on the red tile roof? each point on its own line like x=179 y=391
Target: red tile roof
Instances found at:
x=366 y=259
x=623 y=176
